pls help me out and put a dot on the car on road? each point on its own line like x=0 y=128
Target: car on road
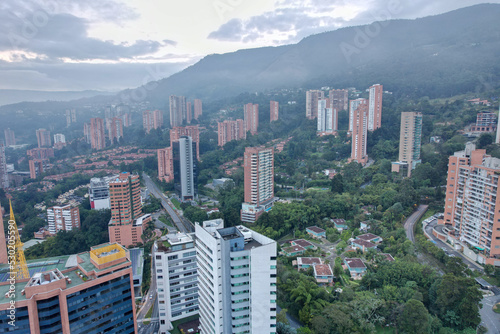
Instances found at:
x=151 y=296
x=451 y=255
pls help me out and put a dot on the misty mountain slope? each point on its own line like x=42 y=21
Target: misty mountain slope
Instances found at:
x=10 y=96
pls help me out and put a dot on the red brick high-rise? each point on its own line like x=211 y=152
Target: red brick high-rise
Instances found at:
x=339 y=99
x=127 y=220
x=230 y=130
x=115 y=129
x=274 y=110
x=251 y=117
x=359 y=135
x=166 y=164
x=375 y=107
x=353 y=105
x=43 y=137
x=312 y=98
x=97 y=138
x=198 y=108
x=189 y=113
x=152 y=120
x=178 y=110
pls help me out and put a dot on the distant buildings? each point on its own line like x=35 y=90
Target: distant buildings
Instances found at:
x=339 y=99
x=10 y=138
x=192 y=131
x=486 y=121
x=359 y=134
x=198 y=108
x=43 y=138
x=127 y=222
x=86 y=133
x=410 y=140
x=99 y=193
x=63 y=218
x=230 y=130
x=97 y=138
x=237 y=279
x=312 y=98
x=178 y=110
x=115 y=129
x=470 y=212
x=375 y=107
x=4 y=176
x=176 y=278
x=251 y=117
x=274 y=110
x=327 y=118
x=70 y=117
x=259 y=182
x=41 y=153
x=90 y=292
x=152 y=120
x=185 y=173
x=37 y=167
x=59 y=141
x=166 y=164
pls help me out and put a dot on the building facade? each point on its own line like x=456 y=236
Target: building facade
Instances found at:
x=375 y=107
x=472 y=202
x=178 y=110
x=251 y=117
x=327 y=119
x=43 y=137
x=187 y=167
x=10 y=138
x=410 y=141
x=230 y=130
x=63 y=218
x=97 y=138
x=152 y=119
x=176 y=278
x=258 y=165
x=91 y=294
x=115 y=129
x=274 y=110
x=99 y=193
x=166 y=164
x=237 y=279
x=359 y=134
x=312 y=98
x=192 y=131
x=353 y=105
x=4 y=176
x=339 y=99
x=198 y=108
x=127 y=222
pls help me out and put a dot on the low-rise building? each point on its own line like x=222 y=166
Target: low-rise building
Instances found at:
x=370 y=237
x=304 y=263
x=293 y=250
x=363 y=245
x=323 y=273
x=340 y=224
x=356 y=267
x=316 y=232
x=303 y=243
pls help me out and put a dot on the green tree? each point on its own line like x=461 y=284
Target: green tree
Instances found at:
x=415 y=318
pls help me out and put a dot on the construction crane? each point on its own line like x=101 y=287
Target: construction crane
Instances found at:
x=20 y=266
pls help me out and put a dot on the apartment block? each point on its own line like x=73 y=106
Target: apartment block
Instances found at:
x=359 y=134
x=59 y=141
x=178 y=110
x=70 y=117
x=192 y=131
x=339 y=99
x=237 y=279
x=353 y=105
x=99 y=193
x=274 y=110
x=86 y=133
x=251 y=117
x=10 y=138
x=185 y=177
x=165 y=164
x=312 y=98
x=43 y=137
x=152 y=119
x=127 y=222
x=327 y=118
x=63 y=218
x=115 y=129
x=176 y=278
x=4 y=176
x=40 y=153
x=410 y=141
x=90 y=292
x=189 y=112
x=97 y=138
x=259 y=182
x=471 y=213
x=198 y=108
x=37 y=167
x=375 y=107
x=230 y=130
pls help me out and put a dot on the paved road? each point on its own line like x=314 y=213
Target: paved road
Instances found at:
x=410 y=222
x=490 y=319
x=449 y=250
x=150 y=328
x=155 y=191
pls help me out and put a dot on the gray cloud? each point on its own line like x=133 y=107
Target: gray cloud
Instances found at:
x=293 y=20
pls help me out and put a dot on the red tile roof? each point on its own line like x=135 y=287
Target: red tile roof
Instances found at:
x=364 y=243
x=354 y=263
x=322 y=270
x=309 y=260
x=302 y=242
x=367 y=236
x=316 y=229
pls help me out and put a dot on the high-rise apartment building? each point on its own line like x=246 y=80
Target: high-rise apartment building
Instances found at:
x=230 y=130
x=63 y=218
x=178 y=110
x=70 y=117
x=166 y=164
x=99 y=193
x=198 y=108
x=152 y=120
x=10 y=138
x=97 y=138
x=4 y=176
x=86 y=133
x=176 y=278
x=258 y=165
x=127 y=222
x=192 y=131
x=472 y=194
x=359 y=135
x=43 y=137
x=189 y=113
x=375 y=107
x=59 y=141
x=251 y=117
x=410 y=140
x=353 y=105
x=40 y=153
x=312 y=98
x=327 y=119
x=184 y=153
x=339 y=99
x=90 y=292
x=274 y=110
x=115 y=129
x=237 y=279
x=37 y=167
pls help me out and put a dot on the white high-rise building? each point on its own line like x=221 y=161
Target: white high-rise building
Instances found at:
x=176 y=278
x=236 y=278
x=353 y=106
x=65 y=218
x=186 y=163
x=59 y=138
x=327 y=118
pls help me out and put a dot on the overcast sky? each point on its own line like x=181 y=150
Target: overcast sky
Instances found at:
x=116 y=44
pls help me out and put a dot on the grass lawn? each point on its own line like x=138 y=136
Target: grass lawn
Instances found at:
x=176 y=203
x=148 y=315
x=491 y=280
x=164 y=219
